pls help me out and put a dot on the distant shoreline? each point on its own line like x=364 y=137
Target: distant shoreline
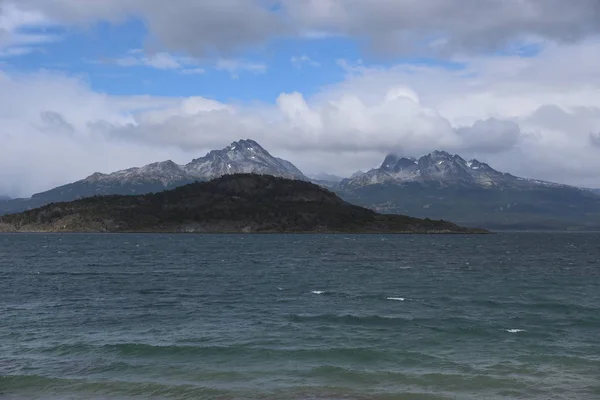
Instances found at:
x=269 y=233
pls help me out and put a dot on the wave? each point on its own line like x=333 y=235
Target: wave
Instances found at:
x=331 y=383
x=139 y=351
x=349 y=319
x=30 y=386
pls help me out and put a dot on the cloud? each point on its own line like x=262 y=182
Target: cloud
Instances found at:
x=234 y=66
x=449 y=26
x=441 y=27
x=489 y=136
x=45 y=136
x=527 y=116
x=186 y=65
x=198 y=28
x=299 y=61
x=193 y=71
x=16 y=38
x=158 y=61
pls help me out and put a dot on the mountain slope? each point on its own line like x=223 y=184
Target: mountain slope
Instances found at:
x=243 y=156
x=441 y=185
x=232 y=203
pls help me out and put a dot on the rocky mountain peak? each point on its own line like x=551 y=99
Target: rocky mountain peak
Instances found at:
x=162 y=166
x=439 y=167
x=245 y=144
x=437 y=154
x=395 y=164
x=242 y=156
x=96 y=176
x=390 y=161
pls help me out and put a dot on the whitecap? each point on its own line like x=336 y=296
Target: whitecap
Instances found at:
x=317 y=292
x=396 y=298
x=515 y=330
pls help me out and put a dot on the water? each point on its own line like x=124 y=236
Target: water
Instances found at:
x=507 y=316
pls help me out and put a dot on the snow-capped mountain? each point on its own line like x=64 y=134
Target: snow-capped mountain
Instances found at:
x=444 y=186
x=438 y=167
x=164 y=173
x=243 y=156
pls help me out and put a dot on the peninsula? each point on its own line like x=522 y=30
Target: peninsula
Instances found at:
x=229 y=204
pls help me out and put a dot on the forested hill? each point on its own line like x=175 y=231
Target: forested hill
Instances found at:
x=232 y=203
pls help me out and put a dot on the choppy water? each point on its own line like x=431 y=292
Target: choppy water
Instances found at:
x=508 y=316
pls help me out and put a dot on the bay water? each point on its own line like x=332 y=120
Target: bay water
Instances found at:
x=505 y=316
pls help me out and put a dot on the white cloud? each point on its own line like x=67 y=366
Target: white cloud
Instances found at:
x=520 y=115
x=156 y=60
x=193 y=71
x=532 y=116
x=15 y=38
x=299 y=61
x=235 y=66
x=46 y=140
x=187 y=65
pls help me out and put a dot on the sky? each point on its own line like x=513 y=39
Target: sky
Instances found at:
x=330 y=85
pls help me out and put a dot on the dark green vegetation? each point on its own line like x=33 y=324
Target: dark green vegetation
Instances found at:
x=86 y=188
x=496 y=208
x=233 y=203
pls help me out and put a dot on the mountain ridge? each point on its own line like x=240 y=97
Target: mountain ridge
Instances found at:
x=438 y=167
x=242 y=156
x=472 y=193
x=437 y=185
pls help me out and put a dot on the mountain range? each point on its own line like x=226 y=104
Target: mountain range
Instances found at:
x=231 y=203
x=243 y=156
x=442 y=185
x=438 y=185
x=439 y=168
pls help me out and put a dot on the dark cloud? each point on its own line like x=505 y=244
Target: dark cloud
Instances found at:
x=208 y=27
x=450 y=26
x=55 y=123
x=595 y=139
x=388 y=26
x=490 y=136
x=199 y=28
